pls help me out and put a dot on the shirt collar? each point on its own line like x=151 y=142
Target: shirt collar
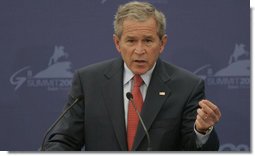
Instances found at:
x=128 y=75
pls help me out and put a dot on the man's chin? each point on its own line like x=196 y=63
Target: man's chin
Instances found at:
x=140 y=71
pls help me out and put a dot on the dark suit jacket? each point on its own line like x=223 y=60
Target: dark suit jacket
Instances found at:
x=98 y=121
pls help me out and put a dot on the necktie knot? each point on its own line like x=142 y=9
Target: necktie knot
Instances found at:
x=138 y=81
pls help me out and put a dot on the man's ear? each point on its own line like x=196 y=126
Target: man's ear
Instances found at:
x=116 y=41
x=163 y=43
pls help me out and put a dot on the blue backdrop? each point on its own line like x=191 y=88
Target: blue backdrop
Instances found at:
x=43 y=42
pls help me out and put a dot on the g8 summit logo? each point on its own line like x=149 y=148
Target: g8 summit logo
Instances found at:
x=56 y=76
x=234 y=76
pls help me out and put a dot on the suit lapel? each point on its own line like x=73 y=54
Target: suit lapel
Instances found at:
x=113 y=97
x=156 y=96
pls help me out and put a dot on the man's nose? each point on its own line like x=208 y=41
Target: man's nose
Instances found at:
x=139 y=49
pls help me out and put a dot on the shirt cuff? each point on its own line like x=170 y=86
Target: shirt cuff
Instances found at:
x=202 y=138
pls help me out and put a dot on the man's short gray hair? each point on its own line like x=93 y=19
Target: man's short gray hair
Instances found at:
x=140 y=11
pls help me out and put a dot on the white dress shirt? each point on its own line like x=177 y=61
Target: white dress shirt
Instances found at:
x=127 y=87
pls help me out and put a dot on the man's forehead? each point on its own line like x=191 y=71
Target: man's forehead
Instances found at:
x=136 y=29
x=136 y=36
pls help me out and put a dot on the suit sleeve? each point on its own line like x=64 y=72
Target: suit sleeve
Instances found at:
x=68 y=134
x=189 y=117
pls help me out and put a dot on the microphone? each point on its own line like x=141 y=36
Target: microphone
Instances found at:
x=130 y=98
x=77 y=99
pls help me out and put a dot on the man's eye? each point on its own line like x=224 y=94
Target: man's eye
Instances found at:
x=148 y=41
x=130 y=41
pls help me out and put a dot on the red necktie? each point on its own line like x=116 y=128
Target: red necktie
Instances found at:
x=132 y=116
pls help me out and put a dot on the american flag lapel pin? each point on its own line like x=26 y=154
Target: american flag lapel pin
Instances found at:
x=162 y=93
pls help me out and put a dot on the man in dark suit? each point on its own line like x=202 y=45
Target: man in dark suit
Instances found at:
x=169 y=99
